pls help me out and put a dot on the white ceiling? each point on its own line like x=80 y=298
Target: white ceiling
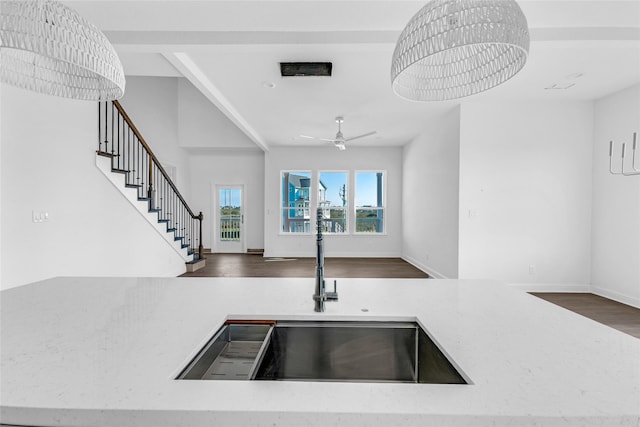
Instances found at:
x=230 y=51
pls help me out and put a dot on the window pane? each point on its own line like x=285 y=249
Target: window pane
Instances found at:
x=369 y=220
x=369 y=187
x=230 y=214
x=369 y=202
x=332 y=198
x=294 y=225
x=334 y=220
x=295 y=188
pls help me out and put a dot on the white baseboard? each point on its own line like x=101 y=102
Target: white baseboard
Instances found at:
x=612 y=295
x=331 y=254
x=430 y=271
x=551 y=287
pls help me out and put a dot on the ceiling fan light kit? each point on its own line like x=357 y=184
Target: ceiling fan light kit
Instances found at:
x=47 y=47
x=456 y=48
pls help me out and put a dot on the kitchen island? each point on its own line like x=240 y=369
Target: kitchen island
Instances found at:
x=106 y=351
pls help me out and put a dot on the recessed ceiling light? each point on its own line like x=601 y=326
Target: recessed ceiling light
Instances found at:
x=269 y=85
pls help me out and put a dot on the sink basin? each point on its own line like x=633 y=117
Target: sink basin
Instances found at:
x=324 y=351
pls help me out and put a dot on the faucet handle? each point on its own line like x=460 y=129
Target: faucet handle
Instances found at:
x=333 y=296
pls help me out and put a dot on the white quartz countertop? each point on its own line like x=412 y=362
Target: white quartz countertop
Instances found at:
x=105 y=352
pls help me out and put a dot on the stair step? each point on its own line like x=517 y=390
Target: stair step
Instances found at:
x=196 y=265
x=116 y=166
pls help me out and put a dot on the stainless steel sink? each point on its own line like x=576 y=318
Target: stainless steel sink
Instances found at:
x=231 y=354
x=324 y=351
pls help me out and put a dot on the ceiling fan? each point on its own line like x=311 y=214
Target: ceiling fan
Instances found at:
x=339 y=140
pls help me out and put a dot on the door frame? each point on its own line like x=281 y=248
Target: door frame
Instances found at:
x=215 y=242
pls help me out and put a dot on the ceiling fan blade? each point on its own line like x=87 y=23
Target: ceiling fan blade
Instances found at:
x=360 y=136
x=316 y=138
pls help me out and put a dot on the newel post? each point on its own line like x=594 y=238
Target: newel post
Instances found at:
x=200 y=217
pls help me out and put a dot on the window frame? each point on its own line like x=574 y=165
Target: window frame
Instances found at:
x=382 y=208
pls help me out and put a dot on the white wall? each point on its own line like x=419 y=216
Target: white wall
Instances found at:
x=152 y=105
x=615 y=251
x=202 y=124
x=430 y=193
x=328 y=158
x=525 y=193
x=1 y=184
x=230 y=168
x=48 y=165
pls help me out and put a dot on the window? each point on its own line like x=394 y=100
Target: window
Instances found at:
x=369 y=202
x=332 y=199
x=295 y=202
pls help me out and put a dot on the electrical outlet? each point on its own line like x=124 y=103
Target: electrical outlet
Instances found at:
x=532 y=269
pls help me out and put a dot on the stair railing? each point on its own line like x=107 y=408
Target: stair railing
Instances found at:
x=119 y=139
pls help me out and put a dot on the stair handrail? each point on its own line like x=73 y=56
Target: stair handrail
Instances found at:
x=152 y=157
x=153 y=160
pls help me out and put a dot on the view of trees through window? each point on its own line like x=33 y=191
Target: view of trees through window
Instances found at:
x=230 y=214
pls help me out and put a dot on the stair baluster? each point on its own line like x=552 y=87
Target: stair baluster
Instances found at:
x=132 y=156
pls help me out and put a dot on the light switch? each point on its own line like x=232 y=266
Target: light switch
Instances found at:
x=38 y=216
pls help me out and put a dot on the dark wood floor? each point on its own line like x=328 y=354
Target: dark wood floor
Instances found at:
x=241 y=265
x=614 y=314
x=611 y=313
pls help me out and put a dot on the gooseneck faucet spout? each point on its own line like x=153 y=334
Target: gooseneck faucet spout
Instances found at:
x=321 y=294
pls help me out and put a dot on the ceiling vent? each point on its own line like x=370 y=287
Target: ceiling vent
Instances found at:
x=306 y=69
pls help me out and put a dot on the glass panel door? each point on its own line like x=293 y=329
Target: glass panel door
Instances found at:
x=230 y=219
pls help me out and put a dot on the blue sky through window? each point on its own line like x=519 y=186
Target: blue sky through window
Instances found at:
x=334 y=182
x=366 y=189
x=229 y=197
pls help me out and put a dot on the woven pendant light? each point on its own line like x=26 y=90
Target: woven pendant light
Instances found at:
x=456 y=48
x=48 y=48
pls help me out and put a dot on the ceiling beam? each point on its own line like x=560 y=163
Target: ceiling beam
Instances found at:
x=197 y=77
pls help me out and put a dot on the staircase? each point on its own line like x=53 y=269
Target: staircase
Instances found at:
x=126 y=159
